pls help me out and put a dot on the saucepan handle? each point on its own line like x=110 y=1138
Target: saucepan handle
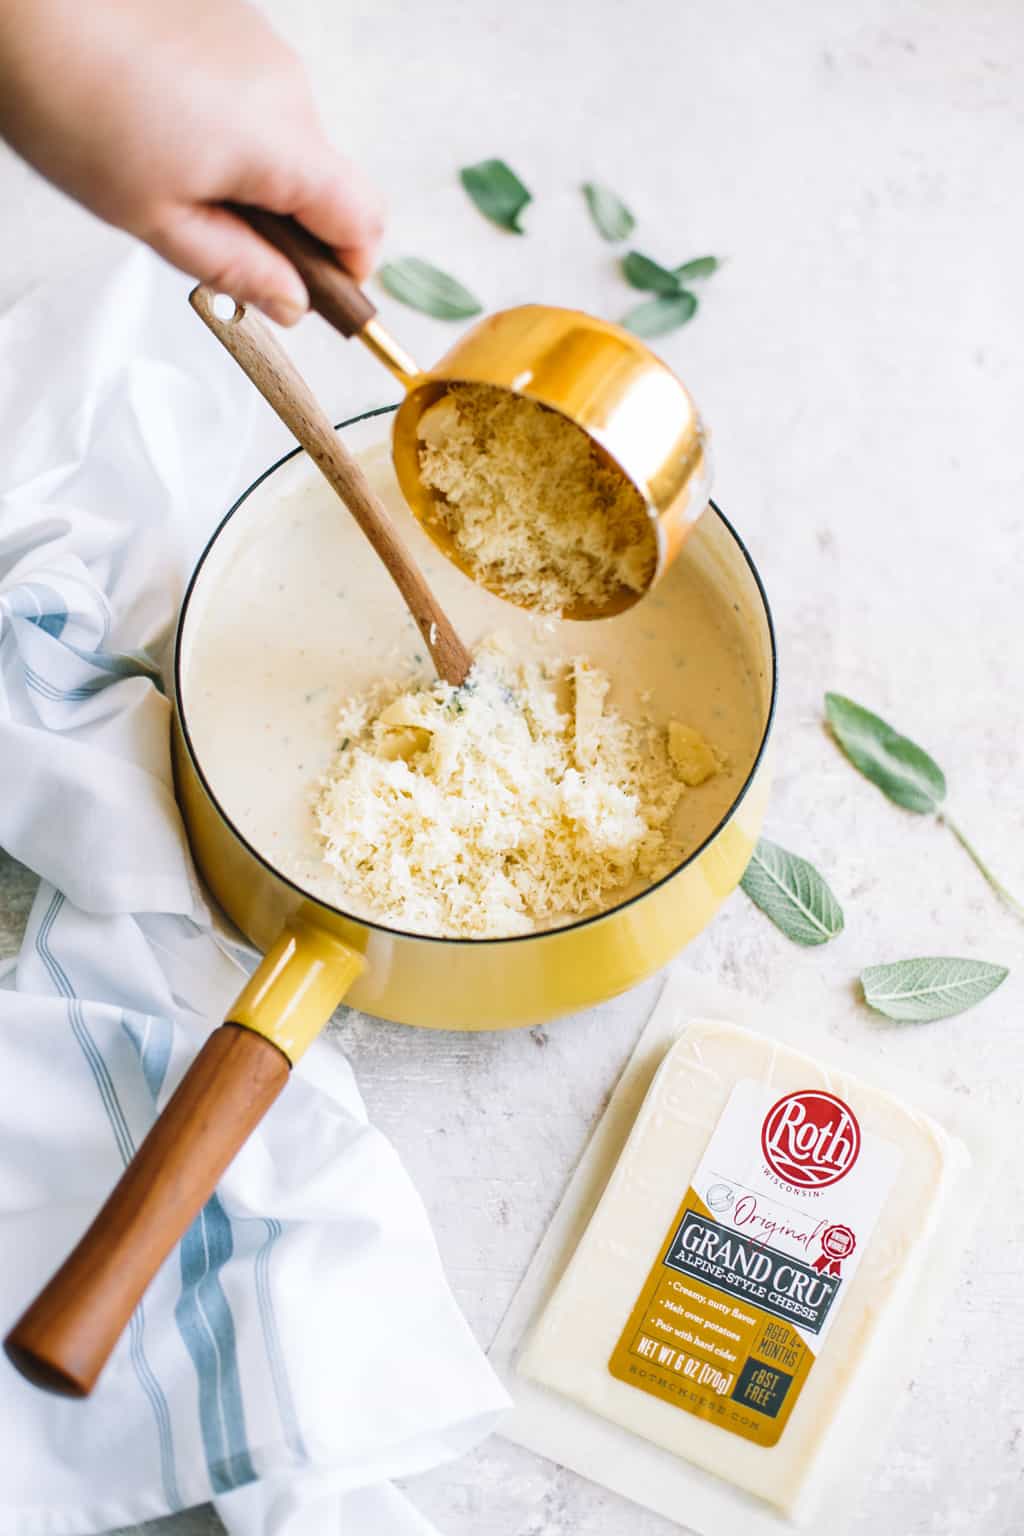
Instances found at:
x=66 y=1336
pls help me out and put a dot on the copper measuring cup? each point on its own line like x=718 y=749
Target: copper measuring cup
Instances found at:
x=630 y=404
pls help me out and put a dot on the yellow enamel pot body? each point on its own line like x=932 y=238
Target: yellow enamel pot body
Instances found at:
x=316 y=953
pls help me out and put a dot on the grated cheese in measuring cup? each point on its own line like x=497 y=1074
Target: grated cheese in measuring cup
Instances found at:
x=531 y=508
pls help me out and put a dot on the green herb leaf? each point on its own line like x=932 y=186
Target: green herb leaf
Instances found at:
x=701 y=266
x=613 y=219
x=900 y=768
x=424 y=287
x=641 y=272
x=918 y=991
x=790 y=891
x=665 y=313
x=497 y=192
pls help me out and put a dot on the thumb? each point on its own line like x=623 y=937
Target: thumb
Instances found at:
x=214 y=246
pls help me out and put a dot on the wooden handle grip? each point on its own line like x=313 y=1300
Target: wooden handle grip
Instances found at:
x=333 y=293
x=64 y=1339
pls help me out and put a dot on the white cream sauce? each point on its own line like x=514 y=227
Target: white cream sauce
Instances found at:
x=297 y=613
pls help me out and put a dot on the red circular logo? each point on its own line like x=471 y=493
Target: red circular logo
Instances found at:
x=810 y=1138
x=838 y=1242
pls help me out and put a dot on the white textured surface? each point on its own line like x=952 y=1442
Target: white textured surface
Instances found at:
x=859 y=358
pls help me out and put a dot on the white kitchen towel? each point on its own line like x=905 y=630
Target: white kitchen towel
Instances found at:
x=301 y=1347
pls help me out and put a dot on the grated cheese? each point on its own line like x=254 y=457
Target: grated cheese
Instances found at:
x=694 y=759
x=494 y=808
x=533 y=511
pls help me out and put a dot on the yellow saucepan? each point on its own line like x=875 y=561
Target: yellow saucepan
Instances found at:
x=316 y=954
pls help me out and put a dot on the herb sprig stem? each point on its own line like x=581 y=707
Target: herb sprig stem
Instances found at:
x=904 y=772
x=1006 y=897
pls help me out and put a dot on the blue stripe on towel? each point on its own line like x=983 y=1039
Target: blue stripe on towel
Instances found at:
x=118 y=664
x=208 y=1329
x=111 y=668
x=52 y=612
x=151 y=1036
x=202 y=1311
x=143 y=1371
x=272 y=1342
x=48 y=690
x=51 y=623
x=51 y=604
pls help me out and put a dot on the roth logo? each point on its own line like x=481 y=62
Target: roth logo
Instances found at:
x=810 y=1139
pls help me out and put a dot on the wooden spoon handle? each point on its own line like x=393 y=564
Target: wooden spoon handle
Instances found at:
x=332 y=292
x=64 y=1339
x=258 y=353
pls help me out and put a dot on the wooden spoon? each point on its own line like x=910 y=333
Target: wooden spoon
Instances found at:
x=260 y=355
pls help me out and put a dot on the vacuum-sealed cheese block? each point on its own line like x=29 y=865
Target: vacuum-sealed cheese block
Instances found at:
x=750 y=1252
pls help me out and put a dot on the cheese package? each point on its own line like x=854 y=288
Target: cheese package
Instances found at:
x=742 y=1296
x=760 y=1221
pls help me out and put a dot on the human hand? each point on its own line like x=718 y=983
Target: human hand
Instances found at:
x=154 y=115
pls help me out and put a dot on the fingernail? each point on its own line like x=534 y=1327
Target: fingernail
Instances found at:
x=284 y=311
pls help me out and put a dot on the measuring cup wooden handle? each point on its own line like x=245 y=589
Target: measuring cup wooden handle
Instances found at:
x=259 y=354
x=333 y=293
x=63 y=1340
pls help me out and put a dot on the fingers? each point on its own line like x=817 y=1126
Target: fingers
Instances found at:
x=329 y=196
x=212 y=245
x=347 y=213
x=317 y=186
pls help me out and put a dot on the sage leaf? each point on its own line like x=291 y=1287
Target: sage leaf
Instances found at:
x=898 y=766
x=609 y=213
x=918 y=991
x=666 y=313
x=701 y=266
x=641 y=272
x=497 y=192
x=426 y=288
x=791 y=892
